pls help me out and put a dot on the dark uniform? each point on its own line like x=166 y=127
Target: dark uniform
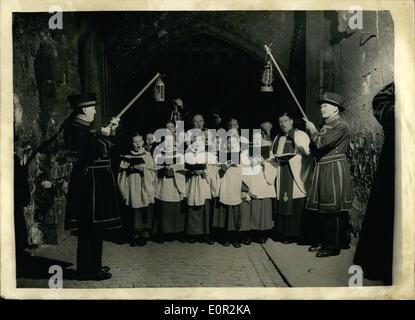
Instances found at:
x=330 y=195
x=92 y=205
x=331 y=186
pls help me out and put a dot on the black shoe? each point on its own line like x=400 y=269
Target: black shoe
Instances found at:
x=101 y=276
x=236 y=244
x=209 y=241
x=105 y=269
x=145 y=234
x=247 y=241
x=226 y=243
x=191 y=240
x=95 y=276
x=315 y=248
x=323 y=253
x=132 y=243
x=288 y=241
x=262 y=240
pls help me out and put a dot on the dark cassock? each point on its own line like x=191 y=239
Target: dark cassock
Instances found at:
x=374 y=252
x=293 y=163
x=92 y=205
x=330 y=194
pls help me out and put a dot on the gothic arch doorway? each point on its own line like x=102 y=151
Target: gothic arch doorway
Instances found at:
x=210 y=75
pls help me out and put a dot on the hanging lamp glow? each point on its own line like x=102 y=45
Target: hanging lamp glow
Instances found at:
x=159 y=90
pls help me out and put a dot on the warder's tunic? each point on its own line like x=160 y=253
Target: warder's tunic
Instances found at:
x=92 y=204
x=92 y=191
x=331 y=189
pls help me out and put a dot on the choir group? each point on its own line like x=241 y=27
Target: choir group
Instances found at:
x=295 y=187
x=197 y=195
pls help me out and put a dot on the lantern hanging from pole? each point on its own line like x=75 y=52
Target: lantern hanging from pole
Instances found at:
x=267 y=77
x=159 y=90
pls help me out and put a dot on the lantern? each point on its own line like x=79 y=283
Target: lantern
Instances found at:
x=159 y=90
x=267 y=77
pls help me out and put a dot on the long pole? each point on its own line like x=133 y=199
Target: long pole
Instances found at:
x=268 y=50
x=124 y=110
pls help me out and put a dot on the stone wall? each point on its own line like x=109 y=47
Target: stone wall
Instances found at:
x=45 y=70
x=357 y=64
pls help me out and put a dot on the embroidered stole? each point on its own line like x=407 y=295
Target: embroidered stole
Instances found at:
x=286 y=177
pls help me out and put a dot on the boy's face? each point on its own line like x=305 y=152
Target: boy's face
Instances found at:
x=198 y=122
x=170 y=126
x=149 y=138
x=137 y=143
x=233 y=124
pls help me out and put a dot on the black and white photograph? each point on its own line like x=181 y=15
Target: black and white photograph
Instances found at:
x=204 y=148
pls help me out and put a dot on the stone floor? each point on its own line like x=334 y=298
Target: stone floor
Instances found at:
x=176 y=264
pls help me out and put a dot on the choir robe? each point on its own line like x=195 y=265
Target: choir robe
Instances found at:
x=260 y=183
x=198 y=192
x=293 y=180
x=228 y=214
x=138 y=188
x=169 y=215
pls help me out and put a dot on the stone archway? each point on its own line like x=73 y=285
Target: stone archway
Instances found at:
x=153 y=48
x=242 y=72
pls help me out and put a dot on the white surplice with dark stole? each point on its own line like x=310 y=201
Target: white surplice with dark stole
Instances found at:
x=293 y=179
x=228 y=214
x=199 y=191
x=170 y=193
x=260 y=179
x=137 y=187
